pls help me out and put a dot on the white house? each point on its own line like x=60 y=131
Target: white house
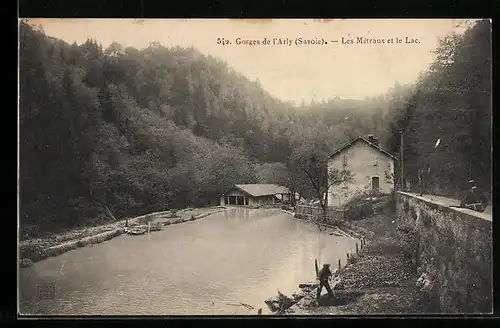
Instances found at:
x=371 y=166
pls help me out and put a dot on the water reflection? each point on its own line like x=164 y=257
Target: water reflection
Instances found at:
x=238 y=256
x=245 y=213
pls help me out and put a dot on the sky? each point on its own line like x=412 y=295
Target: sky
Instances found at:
x=295 y=72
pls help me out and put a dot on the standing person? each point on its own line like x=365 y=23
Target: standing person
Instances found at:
x=423 y=179
x=406 y=185
x=323 y=276
x=420 y=186
x=474 y=199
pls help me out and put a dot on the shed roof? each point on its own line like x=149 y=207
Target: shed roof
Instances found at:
x=261 y=189
x=338 y=151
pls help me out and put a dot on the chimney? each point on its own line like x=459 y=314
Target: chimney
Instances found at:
x=374 y=140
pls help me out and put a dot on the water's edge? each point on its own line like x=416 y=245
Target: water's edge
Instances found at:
x=337 y=273
x=67 y=246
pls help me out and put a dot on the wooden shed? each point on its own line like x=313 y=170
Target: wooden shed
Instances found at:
x=254 y=195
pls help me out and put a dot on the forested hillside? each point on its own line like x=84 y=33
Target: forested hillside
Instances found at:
x=451 y=102
x=145 y=130
x=134 y=130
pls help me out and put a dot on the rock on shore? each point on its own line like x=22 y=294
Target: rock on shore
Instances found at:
x=25 y=263
x=281 y=303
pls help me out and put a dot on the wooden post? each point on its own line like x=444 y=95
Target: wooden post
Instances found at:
x=339 y=264
x=357 y=251
x=401 y=162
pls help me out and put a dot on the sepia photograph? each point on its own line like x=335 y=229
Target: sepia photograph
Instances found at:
x=254 y=167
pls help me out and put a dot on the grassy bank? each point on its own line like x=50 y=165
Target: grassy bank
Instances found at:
x=37 y=249
x=380 y=280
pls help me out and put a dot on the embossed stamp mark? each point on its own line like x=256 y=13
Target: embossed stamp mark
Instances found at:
x=46 y=290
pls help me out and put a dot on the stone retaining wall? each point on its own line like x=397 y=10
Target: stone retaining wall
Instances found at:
x=453 y=248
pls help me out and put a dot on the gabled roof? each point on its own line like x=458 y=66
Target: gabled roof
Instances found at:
x=261 y=189
x=380 y=149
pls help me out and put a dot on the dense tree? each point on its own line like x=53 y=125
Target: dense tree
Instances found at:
x=276 y=173
x=131 y=130
x=451 y=102
x=311 y=158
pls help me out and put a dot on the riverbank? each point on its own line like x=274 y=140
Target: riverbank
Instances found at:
x=37 y=249
x=338 y=230
x=379 y=280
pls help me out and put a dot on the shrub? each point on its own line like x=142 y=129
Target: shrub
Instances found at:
x=356 y=200
x=335 y=221
x=408 y=242
x=426 y=219
x=145 y=219
x=390 y=205
x=406 y=205
x=381 y=247
x=358 y=207
x=29 y=231
x=352 y=258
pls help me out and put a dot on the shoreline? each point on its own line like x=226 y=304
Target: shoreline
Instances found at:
x=38 y=249
x=352 y=234
x=377 y=280
x=285 y=305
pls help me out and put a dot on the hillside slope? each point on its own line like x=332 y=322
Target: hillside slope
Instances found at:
x=146 y=130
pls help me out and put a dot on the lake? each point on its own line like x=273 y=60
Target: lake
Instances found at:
x=204 y=267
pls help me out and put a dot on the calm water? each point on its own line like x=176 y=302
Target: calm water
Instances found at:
x=207 y=266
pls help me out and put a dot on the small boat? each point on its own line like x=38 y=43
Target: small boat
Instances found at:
x=156 y=227
x=135 y=231
x=308 y=285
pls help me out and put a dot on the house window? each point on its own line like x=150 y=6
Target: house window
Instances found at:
x=345 y=160
x=375 y=161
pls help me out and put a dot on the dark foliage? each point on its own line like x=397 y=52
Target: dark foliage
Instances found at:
x=451 y=102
